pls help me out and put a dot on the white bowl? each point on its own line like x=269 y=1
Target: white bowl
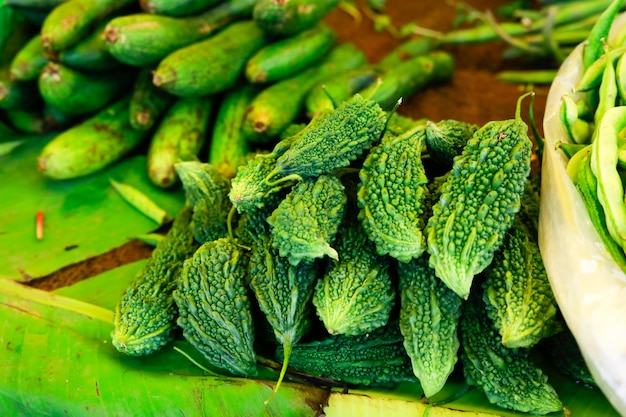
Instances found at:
x=589 y=286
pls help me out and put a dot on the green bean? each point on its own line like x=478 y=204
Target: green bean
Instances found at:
x=603 y=159
x=607 y=91
x=588 y=186
x=620 y=75
x=578 y=157
x=578 y=130
x=140 y=201
x=541 y=76
x=592 y=76
x=570 y=149
x=599 y=33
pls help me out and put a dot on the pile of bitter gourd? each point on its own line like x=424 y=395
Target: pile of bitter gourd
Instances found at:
x=365 y=248
x=111 y=77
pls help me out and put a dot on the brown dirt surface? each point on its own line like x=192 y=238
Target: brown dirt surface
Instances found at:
x=474 y=94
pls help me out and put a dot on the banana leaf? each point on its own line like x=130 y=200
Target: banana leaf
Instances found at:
x=77 y=318
x=83 y=217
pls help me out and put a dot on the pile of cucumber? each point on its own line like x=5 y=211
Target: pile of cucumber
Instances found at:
x=209 y=80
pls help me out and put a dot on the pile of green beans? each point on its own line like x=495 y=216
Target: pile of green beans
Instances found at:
x=594 y=117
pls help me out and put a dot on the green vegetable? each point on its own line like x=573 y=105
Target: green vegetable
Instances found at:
x=508 y=377
x=90 y=53
x=429 y=314
x=142 y=39
x=179 y=136
x=404 y=79
x=211 y=65
x=356 y=294
x=228 y=148
x=90 y=145
x=140 y=201
x=29 y=60
x=145 y=316
x=73 y=20
x=81 y=92
x=447 y=138
x=249 y=191
x=27 y=121
x=578 y=130
x=283 y=292
x=288 y=56
x=214 y=309
x=478 y=202
x=176 y=8
x=392 y=193
x=290 y=17
x=331 y=141
x=563 y=351
x=206 y=191
x=374 y=359
x=280 y=104
x=304 y=224
x=517 y=291
x=15 y=94
x=148 y=103
x=596 y=39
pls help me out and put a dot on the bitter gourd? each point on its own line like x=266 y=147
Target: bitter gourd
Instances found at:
x=377 y=358
x=214 y=308
x=429 y=314
x=304 y=224
x=145 y=316
x=392 y=193
x=508 y=377
x=206 y=191
x=478 y=201
x=356 y=294
x=447 y=138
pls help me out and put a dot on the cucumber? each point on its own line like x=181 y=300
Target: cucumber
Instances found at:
x=408 y=77
x=29 y=60
x=90 y=53
x=279 y=105
x=176 y=7
x=79 y=92
x=91 y=145
x=288 y=56
x=229 y=148
x=143 y=39
x=148 y=102
x=179 y=137
x=16 y=94
x=34 y=4
x=72 y=20
x=279 y=17
x=26 y=121
x=212 y=65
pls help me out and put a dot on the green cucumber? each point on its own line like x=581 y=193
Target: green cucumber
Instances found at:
x=279 y=105
x=72 y=20
x=26 y=121
x=288 y=56
x=34 y=4
x=176 y=7
x=408 y=77
x=91 y=145
x=148 y=102
x=178 y=137
x=15 y=94
x=29 y=60
x=279 y=17
x=212 y=65
x=80 y=92
x=229 y=148
x=142 y=39
x=90 y=53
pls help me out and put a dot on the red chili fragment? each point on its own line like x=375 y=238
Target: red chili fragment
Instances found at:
x=39 y=225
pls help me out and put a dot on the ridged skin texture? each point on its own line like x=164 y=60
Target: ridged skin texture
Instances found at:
x=478 y=202
x=215 y=315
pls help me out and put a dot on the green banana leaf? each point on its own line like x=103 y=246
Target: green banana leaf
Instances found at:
x=58 y=357
x=84 y=217
x=56 y=360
